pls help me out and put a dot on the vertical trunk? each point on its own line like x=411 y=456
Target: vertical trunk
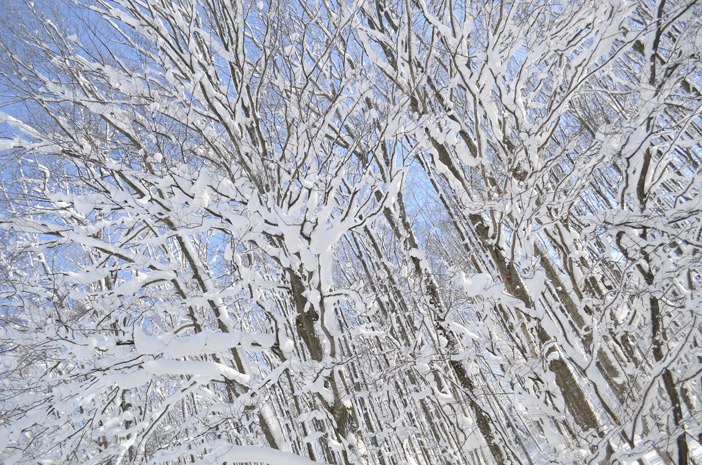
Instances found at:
x=307 y=320
x=605 y=363
x=404 y=233
x=658 y=337
x=583 y=413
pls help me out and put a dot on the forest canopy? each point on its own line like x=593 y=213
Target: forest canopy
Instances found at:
x=379 y=232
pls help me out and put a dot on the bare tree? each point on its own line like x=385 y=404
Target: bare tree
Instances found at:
x=359 y=233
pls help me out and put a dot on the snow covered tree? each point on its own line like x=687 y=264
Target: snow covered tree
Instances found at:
x=364 y=232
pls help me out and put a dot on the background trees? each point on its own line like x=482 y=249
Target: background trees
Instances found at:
x=380 y=232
